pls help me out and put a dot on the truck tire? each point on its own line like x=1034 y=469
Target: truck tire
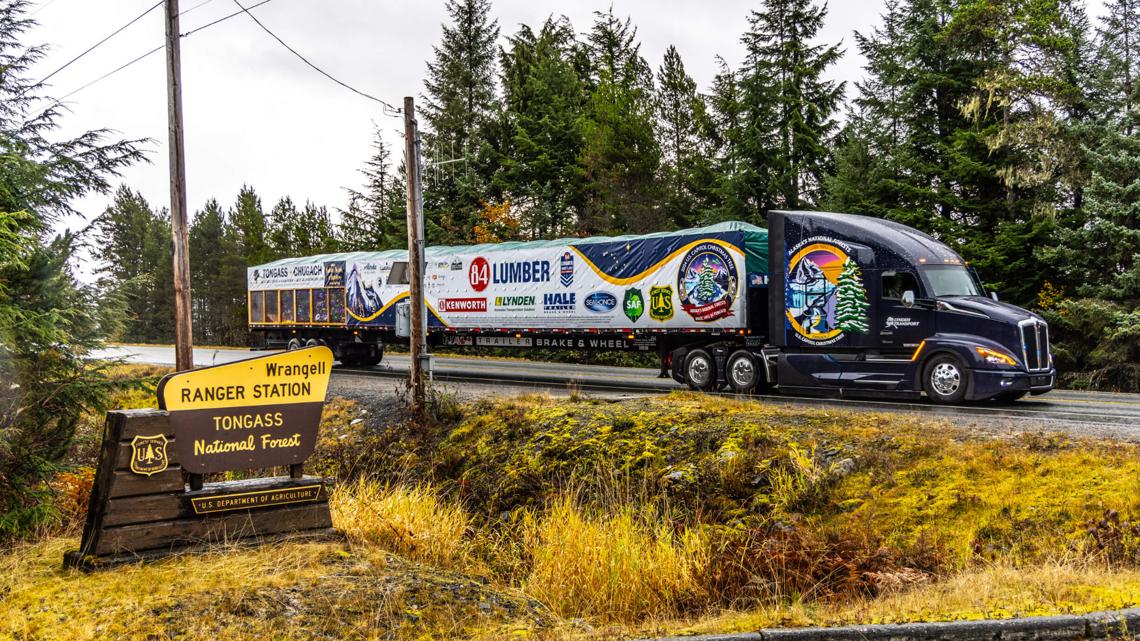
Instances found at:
x=700 y=371
x=294 y=343
x=945 y=379
x=312 y=342
x=743 y=371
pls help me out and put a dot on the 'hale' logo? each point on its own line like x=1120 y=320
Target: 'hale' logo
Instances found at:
x=148 y=454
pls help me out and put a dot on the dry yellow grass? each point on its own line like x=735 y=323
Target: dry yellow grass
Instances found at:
x=616 y=567
x=412 y=521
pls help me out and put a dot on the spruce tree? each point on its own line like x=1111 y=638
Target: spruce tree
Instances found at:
x=790 y=107
x=49 y=322
x=209 y=254
x=1100 y=256
x=686 y=170
x=459 y=111
x=250 y=227
x=621 y=155
x=723 y=134
x=376 y=218
x=542 y=123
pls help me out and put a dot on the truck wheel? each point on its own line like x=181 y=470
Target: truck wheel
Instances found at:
x=945 y=379
x=742 y=371
x=312 y=342
x=294 y=343
x=700 y=370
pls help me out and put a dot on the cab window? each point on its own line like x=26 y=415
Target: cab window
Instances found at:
x=895 y=283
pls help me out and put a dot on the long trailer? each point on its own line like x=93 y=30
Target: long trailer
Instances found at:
x=819 y=303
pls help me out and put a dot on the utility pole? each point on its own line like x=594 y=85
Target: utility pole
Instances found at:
x=183 y=337
x=415 y=255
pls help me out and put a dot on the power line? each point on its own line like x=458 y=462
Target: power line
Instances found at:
x=96 y=45
x=151 y=52
x=387 y=106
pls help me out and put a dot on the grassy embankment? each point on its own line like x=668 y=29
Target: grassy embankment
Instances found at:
x=584 y=519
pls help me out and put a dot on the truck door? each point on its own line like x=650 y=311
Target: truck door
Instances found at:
x=905 y=316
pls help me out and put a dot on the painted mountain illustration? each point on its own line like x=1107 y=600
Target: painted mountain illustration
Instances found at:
x=362 y=300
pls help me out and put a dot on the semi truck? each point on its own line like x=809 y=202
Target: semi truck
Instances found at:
x=818 y=303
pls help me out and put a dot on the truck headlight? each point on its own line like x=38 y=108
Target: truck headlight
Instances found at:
x=995 y=357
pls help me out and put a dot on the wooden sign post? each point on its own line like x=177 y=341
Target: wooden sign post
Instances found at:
x=254 y=414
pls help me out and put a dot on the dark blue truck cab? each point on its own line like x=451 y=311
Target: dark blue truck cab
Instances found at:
x=862 y=306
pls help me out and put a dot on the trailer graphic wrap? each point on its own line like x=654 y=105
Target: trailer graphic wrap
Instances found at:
x=824 y=295
x=686 y=280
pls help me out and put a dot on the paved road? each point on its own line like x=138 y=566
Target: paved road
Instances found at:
x=1092 y=413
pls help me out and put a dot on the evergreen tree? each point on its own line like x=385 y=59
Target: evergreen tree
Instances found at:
x=250 y=229
x=851 y=304
x=460 y=109
x=723 y=133
x=706 y=285
x=620 y=156
x=544 y=98
x=686 y=170
x=789 y=107
x=869 y=157
x=210 y=253
x=131 y=243
x=1099 y=255
x=377 y=217
x=49 y=322
x=282 y=229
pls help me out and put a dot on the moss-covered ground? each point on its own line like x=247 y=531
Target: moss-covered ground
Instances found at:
x=567 y=519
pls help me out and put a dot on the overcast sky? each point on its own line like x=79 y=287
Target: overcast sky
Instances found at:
x=254 y=114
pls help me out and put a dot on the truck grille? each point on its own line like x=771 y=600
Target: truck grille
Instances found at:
x=1035 y=344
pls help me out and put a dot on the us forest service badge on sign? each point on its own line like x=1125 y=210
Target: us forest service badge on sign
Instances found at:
x=148 y=455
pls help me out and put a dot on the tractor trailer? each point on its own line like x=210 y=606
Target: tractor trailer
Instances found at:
x=818 y=303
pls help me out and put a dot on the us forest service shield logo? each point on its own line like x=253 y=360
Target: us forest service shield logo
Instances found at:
x=661 y=303
x=148 y=455
x=634 y=304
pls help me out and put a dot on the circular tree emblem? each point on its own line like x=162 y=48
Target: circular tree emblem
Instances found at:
x=707 y=282
x=824 y=295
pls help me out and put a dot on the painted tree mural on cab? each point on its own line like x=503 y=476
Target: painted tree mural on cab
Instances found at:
x=851 y=305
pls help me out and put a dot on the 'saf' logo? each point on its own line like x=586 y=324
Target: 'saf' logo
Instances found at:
x=148 y=455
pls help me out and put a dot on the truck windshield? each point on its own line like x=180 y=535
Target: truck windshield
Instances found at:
x=952 y=280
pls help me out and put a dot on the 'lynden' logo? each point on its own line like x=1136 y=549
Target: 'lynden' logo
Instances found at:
x=148 y=454
x=894 y=322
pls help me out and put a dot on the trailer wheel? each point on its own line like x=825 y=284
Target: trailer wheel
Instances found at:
x=312 y=342
x=742 y=371
x=945 y=379
x=294 y=343
x=700 y=370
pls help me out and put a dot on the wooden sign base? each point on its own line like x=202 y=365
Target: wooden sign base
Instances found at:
x=141 y=507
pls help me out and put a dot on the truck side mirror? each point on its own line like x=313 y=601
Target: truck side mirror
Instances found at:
x=994 y=295
x=908 y=298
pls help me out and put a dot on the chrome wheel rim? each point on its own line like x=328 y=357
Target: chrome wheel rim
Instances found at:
x=945 y=379
x=743 y=373
x=699 y=371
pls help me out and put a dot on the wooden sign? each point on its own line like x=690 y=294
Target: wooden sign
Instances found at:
x=258 y=413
